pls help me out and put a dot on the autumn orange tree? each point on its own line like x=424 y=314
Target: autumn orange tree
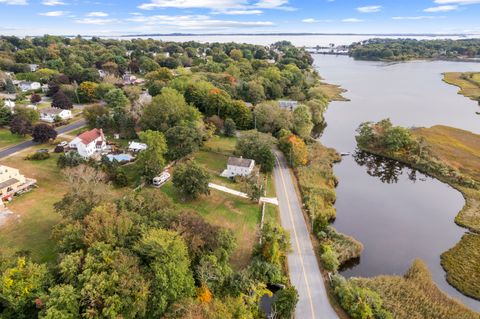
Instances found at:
x=294 y=149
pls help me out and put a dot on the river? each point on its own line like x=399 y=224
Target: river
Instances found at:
x=398 y=214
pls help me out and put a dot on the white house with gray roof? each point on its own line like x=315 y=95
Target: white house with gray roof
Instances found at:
x=238 y=166
x=51 y=113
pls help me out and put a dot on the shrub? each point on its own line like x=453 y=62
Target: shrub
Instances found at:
x=39 y=156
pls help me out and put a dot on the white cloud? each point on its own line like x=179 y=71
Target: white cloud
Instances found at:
x=352 y=20
x=97 y=14
x=238 y=12
x=445 y=8
x=196 y=22
x=417 y=18
x=53 y=3
x=312 y=20
x=459 y=2
x=53 y=13
x=369 y=9
x=96 y=21
x=217 y=5
x=15 y=2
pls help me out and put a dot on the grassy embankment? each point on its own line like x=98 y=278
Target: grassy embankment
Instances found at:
x=469 y=83
x=8 y=139
x=415 y=296
x=240 y=215
x=451 y=155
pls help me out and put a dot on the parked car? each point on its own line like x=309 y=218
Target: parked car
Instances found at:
x=161 y=179
x=42 y=150
x=64 y=143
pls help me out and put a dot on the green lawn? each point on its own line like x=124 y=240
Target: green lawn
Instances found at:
x=9 y=139
x=31 y=232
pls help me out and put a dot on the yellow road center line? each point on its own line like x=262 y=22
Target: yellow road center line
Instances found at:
x=296 y=238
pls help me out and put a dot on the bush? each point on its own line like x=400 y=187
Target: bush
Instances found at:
x=358 y=302
x=70 y=159
x=329 y=258
x=39 y=156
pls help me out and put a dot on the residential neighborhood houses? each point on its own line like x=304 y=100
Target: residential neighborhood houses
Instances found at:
x=90 y=143
x=238 y=166
x=53 y=114
x=26 y=86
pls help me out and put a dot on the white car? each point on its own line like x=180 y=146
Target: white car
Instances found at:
x=64 y=143
x=161 y=179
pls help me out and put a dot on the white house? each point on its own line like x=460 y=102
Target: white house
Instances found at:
x=136 y=147
x=10 y=104
x=29 y=86
x=238 y=166
x=89 y=143
x=33 y=67
x=288 y=105
x=50 y=114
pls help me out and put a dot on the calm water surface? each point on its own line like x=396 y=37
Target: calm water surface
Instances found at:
x=398 y=214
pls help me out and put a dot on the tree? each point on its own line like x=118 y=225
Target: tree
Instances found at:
x=294 y=149
x=256 y=146
x=20 y=126
x=152 y=159
x=5 y=115
x=229 y=128
x=35 y=98
x=241 y=114
x=22 y=283
x=70 y=159
x=93 y=112
x=329 y=258
x=43 y=133
x=87 y=91
x=167 y=110
x=63 y=301
x=115 y=98
x=10 y=87
x=109 y=281
x=236 y=54
x=61 y=101
x=191 y=180
x=182 y=140
x=167 y=257
x=285 y=302
x=302 y=121
x=270 y=118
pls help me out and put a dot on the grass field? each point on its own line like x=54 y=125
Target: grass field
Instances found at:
x=8 y=139
x=469 y=83
x=31 y=232
x=467 y=251
x=333 y=92
x=415 y=296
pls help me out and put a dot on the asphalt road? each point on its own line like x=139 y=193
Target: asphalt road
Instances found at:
x=305 y=274
x=20 y=147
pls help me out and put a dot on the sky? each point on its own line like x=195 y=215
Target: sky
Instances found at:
x=92 y=17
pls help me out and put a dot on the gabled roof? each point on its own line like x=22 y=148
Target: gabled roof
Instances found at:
x=52 y=111
x=240 y=161
x=90 y=136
